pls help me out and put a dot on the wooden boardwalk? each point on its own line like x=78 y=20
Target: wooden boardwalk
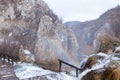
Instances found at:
x=7 y=72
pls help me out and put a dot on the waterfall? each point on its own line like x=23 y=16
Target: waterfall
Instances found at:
x=22 y=69
x=102 y=63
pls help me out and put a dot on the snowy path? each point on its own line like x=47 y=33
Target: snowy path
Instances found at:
x=24 y=71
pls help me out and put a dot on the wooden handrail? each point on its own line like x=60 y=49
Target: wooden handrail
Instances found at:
x=60 y=64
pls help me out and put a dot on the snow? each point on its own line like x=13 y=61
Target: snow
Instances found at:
x=10 y=34
x=102 y=54
x=82 y=63
x=3 y=65
x=63 y=76
x=99 y=65
x=1 y=40
x=7 y=75
x=117 y=48
x=27 y=52
x=26 y=70
x=88 y=70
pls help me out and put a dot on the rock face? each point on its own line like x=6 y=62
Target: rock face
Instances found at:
x=94 y=75
x=90 y=34
x=109 y=46
x=32 y=24
x=110 y=69
x=110 y=73
x=90 y=62
x=117 y=49
x=26 y=56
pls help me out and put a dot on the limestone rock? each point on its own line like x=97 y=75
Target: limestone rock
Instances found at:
x=90 y=62
x=90 y=34
x=94 y=75
x=110 y=73
x=32 y=24
x=26 y=56
x=117 y=49
x=114 y=63
x=108 y=46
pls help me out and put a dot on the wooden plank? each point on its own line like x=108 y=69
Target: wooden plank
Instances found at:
x=7 y=72
x=60 y=64
x=77 y=71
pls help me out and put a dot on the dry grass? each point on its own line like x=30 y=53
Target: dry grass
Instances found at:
x=51 y=65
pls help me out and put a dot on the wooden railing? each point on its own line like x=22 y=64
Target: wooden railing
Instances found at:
x=77 y=68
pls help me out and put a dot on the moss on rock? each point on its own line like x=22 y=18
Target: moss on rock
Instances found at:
x=108 y=46
x=90 y=62
x=109 y=73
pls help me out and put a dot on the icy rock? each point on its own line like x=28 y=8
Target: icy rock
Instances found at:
x=90 y=62
x=27 y=52
x=10 y=34
x=26 y=56
x=114 y=63
x=29 y=58
x=117 y=49
x=110 y=73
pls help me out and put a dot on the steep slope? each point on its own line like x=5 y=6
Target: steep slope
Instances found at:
x=32 y=24
x=91 y=33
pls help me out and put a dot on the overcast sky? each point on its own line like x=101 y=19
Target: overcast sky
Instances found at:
x=80 y=10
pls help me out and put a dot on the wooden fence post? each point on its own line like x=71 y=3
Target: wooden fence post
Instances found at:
x=60 y=64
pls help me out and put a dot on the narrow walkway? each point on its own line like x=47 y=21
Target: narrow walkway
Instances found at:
x=7 y=72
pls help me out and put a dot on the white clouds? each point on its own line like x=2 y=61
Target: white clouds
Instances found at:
x=81 y=10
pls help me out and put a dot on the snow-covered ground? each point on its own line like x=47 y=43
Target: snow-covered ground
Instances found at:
x=25 y=70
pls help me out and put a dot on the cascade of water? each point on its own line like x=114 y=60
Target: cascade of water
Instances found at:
x=23 y=69
x=102 y=63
